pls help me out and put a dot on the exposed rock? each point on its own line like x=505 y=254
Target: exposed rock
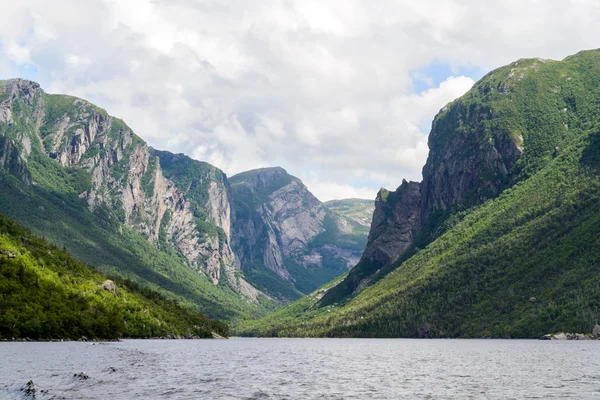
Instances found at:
x=12 y=160
x=596 y=331
x=7 y=254
x=358 y=210
x=82 y=376
x=465 y=168
x=396 y=221
x=217 y=336
x=109 y=285
x=126 y=176
x=567 y=336
x=207 y=196
x=279 y=223
x=29 y=389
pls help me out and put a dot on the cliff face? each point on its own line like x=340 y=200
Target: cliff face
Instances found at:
x=474 y=153
x=127 y=176
x=469 y=162
x=396 y=221
x=464 y=168
x=286 y=239
x=521 y=263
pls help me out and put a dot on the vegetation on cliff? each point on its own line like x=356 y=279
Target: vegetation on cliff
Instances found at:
x=47 y=294
x=520 y=263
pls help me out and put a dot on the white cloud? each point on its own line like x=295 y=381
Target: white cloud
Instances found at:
x=324 y=89
x=17 y=53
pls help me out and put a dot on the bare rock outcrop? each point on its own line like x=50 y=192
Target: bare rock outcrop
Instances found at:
x=126 y=177
x=281 y=227
x=109 y=286
x=396 y=221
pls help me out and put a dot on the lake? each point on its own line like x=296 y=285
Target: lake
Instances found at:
x=302 y=369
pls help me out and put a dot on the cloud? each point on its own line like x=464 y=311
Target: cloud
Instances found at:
x=324 y=89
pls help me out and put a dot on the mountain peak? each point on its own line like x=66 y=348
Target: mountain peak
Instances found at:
x=261 y=179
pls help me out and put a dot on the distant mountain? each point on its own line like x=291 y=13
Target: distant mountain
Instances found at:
x=502 y=236
x=358 y=210
x=288 y=242
x=47 y=294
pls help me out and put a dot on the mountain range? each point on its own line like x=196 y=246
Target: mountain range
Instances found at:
x=499 y=239
x=83 y=180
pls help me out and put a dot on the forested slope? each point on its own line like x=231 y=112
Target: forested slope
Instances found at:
x=47 y=294
x=514 y=253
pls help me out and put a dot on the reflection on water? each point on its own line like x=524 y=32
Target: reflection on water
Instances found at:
x=301 y=369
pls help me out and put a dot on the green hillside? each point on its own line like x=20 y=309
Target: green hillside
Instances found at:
x=522 y=264
x=49 y=199
x=45 y=293
x=358 y=210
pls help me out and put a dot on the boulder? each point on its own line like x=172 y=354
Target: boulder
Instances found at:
x=8 y=253
x=109 y=285
x=82 y=376
x=29 y=389
x=555 y=336
x=424 y=332
x=596 y=332
x=560 y=336
x=566 y=336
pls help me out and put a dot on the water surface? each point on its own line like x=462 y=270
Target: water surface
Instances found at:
x=303 y=369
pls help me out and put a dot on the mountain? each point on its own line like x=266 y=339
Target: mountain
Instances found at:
x=358 y=210
x=501 y=237
x=288 y=242
x=230 y=248
x=84 y=180
x=47 y=294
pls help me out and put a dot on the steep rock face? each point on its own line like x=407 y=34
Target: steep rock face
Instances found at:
x=396 y=221
x=210 y=205
x=11 y=160
x=126 y=177
x=480 y=145
x=285 y=238
x=466 y=166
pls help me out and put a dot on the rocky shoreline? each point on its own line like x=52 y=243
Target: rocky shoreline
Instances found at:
x=595 y=335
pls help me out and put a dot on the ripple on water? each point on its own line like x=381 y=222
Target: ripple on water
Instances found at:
x=301 y=369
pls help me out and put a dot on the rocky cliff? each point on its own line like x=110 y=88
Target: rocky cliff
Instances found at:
x=396 y=221
x=475 y=148
x=504 y=225
x=265 y=227
x=288 y=242
x=126 y=177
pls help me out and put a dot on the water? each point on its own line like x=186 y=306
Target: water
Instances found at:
x=303 y=369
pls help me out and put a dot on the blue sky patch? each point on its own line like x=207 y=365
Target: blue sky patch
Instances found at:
x=431 y=75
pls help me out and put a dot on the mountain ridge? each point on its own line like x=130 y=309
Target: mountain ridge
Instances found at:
x=84 y=179
x=66 y=151
x=506 y=239
x=284 y=234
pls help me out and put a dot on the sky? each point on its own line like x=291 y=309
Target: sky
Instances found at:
x=340 y=93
